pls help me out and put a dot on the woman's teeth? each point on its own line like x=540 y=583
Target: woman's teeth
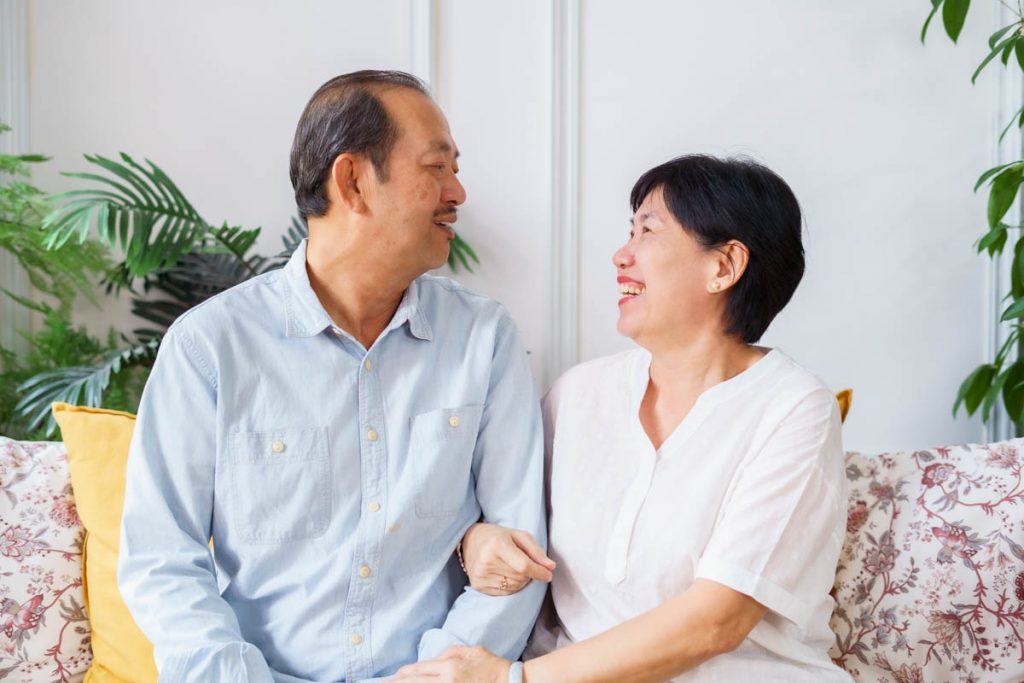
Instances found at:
x=631 y=289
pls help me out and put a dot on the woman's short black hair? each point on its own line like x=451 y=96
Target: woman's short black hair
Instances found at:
x=718 y=200
x=344 y=115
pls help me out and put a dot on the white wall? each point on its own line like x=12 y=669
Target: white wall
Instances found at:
x=210 y=91
x=880 y=137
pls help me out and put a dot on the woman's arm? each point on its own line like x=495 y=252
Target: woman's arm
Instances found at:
x=706 y=620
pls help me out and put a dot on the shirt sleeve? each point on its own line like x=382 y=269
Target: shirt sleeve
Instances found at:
x=780 y=530
x=165 y=569
x=508 y=467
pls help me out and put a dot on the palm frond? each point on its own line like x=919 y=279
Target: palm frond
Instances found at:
x=237 y=241
x=290 y=241
x=460 y=252
x=192 y=280
x=137 y=208
x=79 y=385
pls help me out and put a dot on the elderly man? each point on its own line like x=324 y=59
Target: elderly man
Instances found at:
x=335 y=427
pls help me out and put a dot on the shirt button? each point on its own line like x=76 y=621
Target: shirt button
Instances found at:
x=356 y=639
x=371 y=435
x=453 y=420
x=364 y=572
x=374 y=506
x=367 y=364
x=277 y=446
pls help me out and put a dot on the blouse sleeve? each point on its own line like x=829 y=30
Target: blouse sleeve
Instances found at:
x=780 y=530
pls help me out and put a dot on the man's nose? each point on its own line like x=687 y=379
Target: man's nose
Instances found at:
x=454 y=192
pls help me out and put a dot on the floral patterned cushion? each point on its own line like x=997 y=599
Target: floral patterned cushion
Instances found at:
x=930 y=584
x=44 y=633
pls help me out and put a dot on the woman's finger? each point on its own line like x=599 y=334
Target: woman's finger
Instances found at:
x=529 y=545
x=523 y=566
x=426 y=670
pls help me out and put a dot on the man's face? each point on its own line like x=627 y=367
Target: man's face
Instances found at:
x=414 y=209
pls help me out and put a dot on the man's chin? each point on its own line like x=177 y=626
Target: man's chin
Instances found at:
x=438 y=261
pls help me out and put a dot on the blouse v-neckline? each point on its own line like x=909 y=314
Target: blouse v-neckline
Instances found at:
x=707 y=399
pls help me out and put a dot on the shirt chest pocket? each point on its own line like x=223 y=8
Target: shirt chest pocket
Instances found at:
x=441 y=448
x=279 y=481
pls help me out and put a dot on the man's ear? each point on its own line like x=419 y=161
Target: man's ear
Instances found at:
x=347 y=182
x=733 y=257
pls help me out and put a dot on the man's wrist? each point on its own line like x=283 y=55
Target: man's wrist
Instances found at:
x=515 y=673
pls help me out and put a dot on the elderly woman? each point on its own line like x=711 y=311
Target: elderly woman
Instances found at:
x=695 y=484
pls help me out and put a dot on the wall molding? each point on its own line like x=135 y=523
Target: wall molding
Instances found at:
x=14 y=92
x=565 y=188
x=423 y=41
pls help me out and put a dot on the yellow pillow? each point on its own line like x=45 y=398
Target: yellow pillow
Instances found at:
x=97 y=442
x=845 y=398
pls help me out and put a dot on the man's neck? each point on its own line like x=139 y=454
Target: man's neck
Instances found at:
x=359 y=297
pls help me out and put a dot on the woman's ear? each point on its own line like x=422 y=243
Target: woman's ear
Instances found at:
x=733 y=257
x=347 y=182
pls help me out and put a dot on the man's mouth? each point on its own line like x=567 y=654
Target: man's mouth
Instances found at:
x=445 y=223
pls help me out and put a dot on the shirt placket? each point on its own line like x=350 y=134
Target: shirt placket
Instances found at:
x=366 y=561
x=617 y=558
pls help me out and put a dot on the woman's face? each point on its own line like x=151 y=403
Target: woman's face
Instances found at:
x=664 y=276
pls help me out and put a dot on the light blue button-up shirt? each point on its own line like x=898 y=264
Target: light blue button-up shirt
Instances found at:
x=335 y=481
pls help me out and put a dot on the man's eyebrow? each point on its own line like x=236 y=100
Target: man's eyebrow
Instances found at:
x=444 y=146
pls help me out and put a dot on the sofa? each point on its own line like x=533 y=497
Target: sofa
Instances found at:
x=929 y=586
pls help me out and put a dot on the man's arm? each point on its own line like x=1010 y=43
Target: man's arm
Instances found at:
x=508 y=467
x=165 y=569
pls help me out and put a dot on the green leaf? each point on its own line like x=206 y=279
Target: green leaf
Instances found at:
x=994 y=38
x=1007 y=345
x=1017 y=271
x=1008 y=49
x=136 y=208
x=1019 y=48
x=1018 y=116
x=973 y=389
x=1003 y=192
x=80 y=385
x=935 y=8
x=994 y=240
x=954 y=12
x=992 y=394
x=1014 y=311
x=994 y=170
x=992 y=55
x=461 y=251
x=1013 y=391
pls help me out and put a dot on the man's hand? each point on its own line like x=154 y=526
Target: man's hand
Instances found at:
x=502 y=561
x=458 y=665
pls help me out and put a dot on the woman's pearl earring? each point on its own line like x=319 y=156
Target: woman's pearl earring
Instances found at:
x=714 y=286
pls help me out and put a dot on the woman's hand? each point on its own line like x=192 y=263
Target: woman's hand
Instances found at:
x=502 y=561
x=458 y=665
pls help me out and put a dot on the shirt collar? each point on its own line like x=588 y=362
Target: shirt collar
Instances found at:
x=306 y=317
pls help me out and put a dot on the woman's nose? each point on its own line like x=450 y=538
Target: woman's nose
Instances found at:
x=623 y=257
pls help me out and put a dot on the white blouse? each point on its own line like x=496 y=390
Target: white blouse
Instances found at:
x=748 y=491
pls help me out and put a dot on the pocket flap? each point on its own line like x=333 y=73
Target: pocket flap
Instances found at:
x=446 y=424
x=303 y=444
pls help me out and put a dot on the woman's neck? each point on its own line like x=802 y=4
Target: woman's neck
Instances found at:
x=694 y=367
